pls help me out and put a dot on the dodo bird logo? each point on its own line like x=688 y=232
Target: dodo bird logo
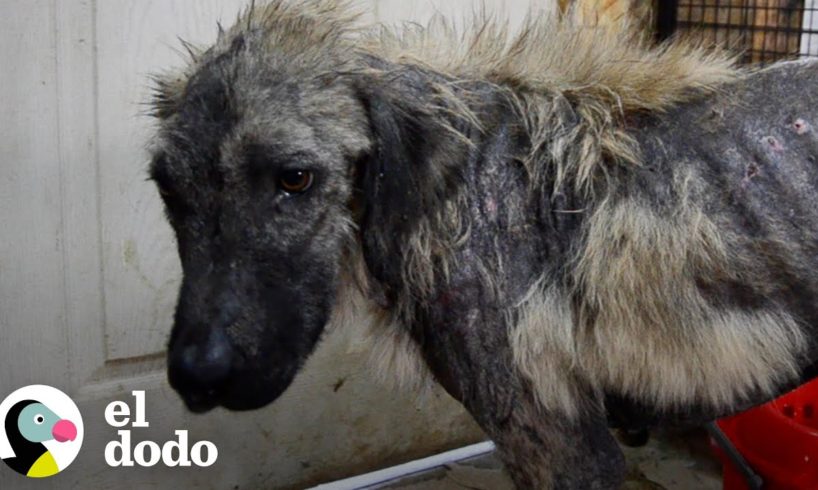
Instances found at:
x=41 y=431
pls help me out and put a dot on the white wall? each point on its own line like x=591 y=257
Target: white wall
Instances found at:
x=88 y=268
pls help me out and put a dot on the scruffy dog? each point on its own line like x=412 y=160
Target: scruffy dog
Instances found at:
x=567 y=228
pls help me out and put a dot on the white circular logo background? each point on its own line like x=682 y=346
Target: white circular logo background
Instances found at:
x=58 y=402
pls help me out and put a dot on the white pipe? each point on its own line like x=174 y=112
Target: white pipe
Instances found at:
x=380 y=477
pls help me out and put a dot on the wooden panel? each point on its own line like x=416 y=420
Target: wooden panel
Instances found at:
x=32 y=344
x=141 y=268
x=76 y=115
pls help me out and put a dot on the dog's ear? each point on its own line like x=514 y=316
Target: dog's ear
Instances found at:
x=411 y=170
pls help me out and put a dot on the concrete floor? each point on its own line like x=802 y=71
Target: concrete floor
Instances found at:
x=670 y=461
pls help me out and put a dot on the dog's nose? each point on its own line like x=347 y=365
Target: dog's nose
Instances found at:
x=198 y=367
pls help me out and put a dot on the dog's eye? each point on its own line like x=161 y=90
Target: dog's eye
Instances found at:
x=163 y=184
x=164 y=191
x=295 y=181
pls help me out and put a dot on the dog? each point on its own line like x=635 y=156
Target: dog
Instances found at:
x=568 y=228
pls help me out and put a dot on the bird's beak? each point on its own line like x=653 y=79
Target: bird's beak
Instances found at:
x=64 y=430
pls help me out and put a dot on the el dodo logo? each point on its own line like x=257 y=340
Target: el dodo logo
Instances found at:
x=148 y=453
x=41 y=431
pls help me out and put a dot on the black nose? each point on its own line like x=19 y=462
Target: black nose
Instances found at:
x=199 y=366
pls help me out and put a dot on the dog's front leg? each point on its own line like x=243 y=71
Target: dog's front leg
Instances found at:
x=466 y=345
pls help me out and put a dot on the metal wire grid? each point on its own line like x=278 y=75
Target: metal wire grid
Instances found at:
x=764 y=31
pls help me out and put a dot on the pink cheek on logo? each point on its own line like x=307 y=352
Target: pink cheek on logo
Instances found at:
x=64 y=430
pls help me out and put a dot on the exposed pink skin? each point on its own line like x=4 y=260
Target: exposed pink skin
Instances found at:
x=64 y=430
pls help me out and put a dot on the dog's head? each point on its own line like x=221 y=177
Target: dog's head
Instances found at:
x=270 y=152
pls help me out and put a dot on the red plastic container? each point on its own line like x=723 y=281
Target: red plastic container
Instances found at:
x=779 y=440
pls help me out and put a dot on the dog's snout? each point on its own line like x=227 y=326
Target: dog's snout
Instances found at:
x=199 y=366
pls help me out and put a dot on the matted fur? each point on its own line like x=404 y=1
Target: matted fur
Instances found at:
x=643 y=328
x=543 y=342
x=603 y=71
x=650 y=332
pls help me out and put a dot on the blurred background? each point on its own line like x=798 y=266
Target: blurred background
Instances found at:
x=88 y=267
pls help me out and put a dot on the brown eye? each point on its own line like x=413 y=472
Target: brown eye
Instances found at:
x=295 y=181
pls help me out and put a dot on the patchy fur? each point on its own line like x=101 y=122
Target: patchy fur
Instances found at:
x=602 y=72
x=573 y=97
x=541 y=220
x=573 y=86
x=555 y=62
